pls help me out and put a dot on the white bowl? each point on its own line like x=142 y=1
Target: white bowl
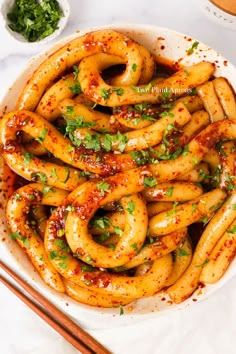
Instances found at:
x=7 y=5
x=163 y=43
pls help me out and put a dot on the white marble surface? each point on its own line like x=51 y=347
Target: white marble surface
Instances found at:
x=208 y=327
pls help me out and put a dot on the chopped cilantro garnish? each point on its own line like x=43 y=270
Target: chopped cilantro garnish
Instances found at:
x=122 y=141
x=75 y=72
x=167 y=105
x=142 y=111
x=118 y=230
x=192 y=48
x=31 y=197
x=57 y=255
x=216 y=206
x=130 y=207
x=33 y=19
x=89 y=259
x=232 y=231
x=103 y=237
x=183 y=253
x=135 y=247
x=173 y=210
x=149 y=182
x=119 y=91
x=60 y=232
x=27 y=157
x=105 y=93
x=112 y=246
x=54 y=172
x=166 y=114
x=121 y=310
x=76 y=89
x=204 y=220
x=195 y=161
x=67 y=174
x=220 y=148
x=107 y=142
x=134 y=67
x=47 y=189
x=39 y=176
x=194 y=207
x=119 y=269
x=142 y=157
x=62 y=244
x=84 y=174
x=192 y=91
x=169 y=128
x=118 y=138
x=70 y=208
x=215 y=178
x=75 y=123
x=170 y=156
x=92 y=141
x=17 y=235
x=169 y=191
x=87 y=268
x=185 y=150
x=62 y=265
x=204 y=263
x=70 y=148
x=17 y=196
x=101 y=223
x=103 y=187
x=42 y=135
x=166 y=94
x=231 y=182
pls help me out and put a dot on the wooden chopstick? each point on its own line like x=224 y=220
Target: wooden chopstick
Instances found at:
x=80 y=339
x=78 y=345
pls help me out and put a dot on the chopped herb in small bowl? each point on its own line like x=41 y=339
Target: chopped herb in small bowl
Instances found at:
x=35 y=21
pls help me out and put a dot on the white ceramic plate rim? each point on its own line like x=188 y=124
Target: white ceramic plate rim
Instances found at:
x=165 y=43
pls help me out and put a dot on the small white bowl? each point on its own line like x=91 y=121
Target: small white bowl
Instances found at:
x=7 y=5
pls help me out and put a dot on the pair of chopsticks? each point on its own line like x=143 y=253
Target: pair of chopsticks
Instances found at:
x=75 y=335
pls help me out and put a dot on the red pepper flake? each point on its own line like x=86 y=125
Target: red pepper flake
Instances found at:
x=202 y=285
x=188 y=38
